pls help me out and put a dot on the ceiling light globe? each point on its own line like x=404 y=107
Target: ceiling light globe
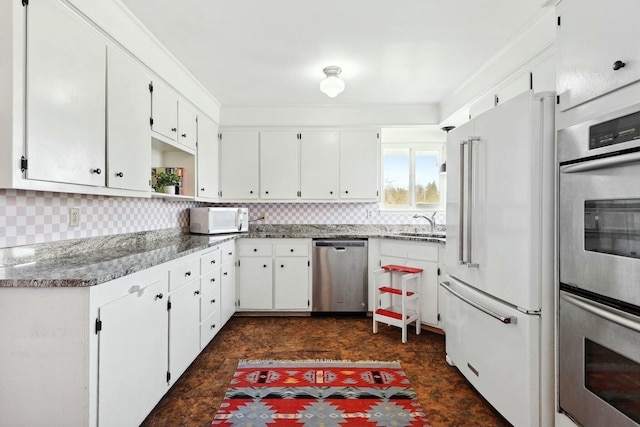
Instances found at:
x=332 y=85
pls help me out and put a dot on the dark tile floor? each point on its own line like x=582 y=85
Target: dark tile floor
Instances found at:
x=445 y=395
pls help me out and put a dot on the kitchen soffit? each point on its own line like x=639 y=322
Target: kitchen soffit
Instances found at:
x=257 y=52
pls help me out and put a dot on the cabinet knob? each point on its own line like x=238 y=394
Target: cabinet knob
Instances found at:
x=160 y=295
x=266 y=192
x=255 y=249
x=230 y=253
x=618 y=64
x=213 y=326
x=196 y=293
x=330 y=192
x=184 y=135
x=187 y=274
x=250 y=191
x=346 y=192
x=119 y=174
x=174 y=129
x=281 y=265
x=97 y=171
x=265 y=265
x=213 y=279
x=213 y=301
x=225 y=273
x=213 y=261
x=291 y=250
x=202 y=189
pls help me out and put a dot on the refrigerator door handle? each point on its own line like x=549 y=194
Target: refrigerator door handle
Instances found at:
x=507 y=320
x=470 y=262
x=461 y=223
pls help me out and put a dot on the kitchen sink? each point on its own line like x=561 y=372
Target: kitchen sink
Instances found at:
x=433 y=235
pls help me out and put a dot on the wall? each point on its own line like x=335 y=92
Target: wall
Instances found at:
x=28 y=217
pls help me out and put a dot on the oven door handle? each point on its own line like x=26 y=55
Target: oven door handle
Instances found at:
x=602 y=163
x=507 y=320
x=626 y=320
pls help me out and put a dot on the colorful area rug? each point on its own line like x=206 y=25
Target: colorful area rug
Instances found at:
x=319 y=394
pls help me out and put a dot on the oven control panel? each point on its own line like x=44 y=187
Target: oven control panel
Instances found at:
x=616 y=131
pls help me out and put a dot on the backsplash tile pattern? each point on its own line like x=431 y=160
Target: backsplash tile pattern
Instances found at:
x=29 y=217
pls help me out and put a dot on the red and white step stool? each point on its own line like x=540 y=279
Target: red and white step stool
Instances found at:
x=397 y=299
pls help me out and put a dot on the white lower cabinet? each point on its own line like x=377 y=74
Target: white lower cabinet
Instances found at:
x=184 y=328
x=418 y=255
x=227 y=282
x=274 y=274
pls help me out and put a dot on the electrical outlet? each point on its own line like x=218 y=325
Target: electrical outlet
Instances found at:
x=369 y=213
x=74 y=217
x=262 y=216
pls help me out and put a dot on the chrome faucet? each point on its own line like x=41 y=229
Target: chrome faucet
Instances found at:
x=432 y=220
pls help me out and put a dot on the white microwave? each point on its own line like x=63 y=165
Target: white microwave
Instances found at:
x=218 y=220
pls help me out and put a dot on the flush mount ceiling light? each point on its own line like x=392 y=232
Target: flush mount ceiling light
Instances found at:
x=332 y=85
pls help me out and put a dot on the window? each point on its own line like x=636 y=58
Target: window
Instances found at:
x=411 y=178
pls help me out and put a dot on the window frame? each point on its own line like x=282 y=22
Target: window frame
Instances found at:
x=436 y=147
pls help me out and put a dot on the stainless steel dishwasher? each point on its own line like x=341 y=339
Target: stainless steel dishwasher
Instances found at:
x=340 y=275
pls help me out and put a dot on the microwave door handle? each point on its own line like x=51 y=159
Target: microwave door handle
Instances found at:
x=625 y=320
x=461 y=223
x=470 y=262
x=602 y=163
x=507 y=320
x=239 y=219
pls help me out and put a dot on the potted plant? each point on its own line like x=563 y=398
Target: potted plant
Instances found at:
x=166 y=182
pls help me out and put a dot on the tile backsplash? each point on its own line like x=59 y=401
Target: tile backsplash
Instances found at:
x=29 y=217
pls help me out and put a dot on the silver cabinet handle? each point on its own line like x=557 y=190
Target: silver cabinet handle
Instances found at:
x=602 y=163
x=625 y=320
x=507 y=320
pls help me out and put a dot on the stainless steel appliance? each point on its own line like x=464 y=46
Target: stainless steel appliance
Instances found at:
x=599 y=243
x=340 y=275
x=218 y=220
x=498 y=295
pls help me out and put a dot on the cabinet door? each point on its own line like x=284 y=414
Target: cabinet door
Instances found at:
x=319 y=154
x=291 y=283
x=239 y=165
x=428 y=291
x=359 y=165
x=128 y=148
x=132 y=355
x=279 y=165
x=65 y=128
x=207 y=159
x=227 y=291
x=187 y=125
x=591 y=37
x=164 y=112
x=255 y=283
x=184 y=328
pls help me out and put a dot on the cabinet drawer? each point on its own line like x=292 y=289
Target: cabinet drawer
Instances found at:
x=257 y=249
x=183 y=273
x=209 y=301
x=209 y=261
x=209 y=328
x=292 y=249
x=210 y=280
x=421 y=251
x=227 y=253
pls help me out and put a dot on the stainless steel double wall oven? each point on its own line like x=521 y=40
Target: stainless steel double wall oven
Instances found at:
x=599 y=243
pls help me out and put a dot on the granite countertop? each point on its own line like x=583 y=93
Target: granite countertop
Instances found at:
x=96 y=260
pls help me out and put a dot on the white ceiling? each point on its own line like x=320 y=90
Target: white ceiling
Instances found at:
x=272 y=52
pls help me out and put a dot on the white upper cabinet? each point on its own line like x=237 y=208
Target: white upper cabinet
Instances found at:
x=187 y=126
x=359 y=165
x=319 y=164
x=239 y=163
x=128 y=153
x=65 y=126
x=207 y=159
x=164 y=111
x=598 y=48
x=279 y=164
